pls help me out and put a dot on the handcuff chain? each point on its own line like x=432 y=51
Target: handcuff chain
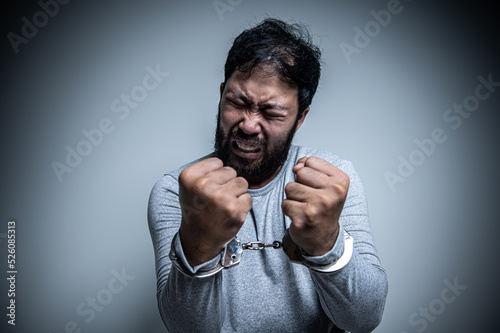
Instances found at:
x=258 y=245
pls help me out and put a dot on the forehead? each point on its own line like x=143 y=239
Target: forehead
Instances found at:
x=262 y=83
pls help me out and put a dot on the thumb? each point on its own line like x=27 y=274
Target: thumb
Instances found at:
x=300 y=164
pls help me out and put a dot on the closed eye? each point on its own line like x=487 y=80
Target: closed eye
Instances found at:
x=274 y=111
x=271 y=114
x=236 y=104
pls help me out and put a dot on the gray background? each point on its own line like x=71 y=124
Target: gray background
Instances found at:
x=439 y=224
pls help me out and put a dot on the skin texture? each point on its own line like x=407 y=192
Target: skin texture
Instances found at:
x=314 y=203
x=224 y=201
x=258 y=113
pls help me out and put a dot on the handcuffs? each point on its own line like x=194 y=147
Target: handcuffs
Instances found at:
x=234 y=249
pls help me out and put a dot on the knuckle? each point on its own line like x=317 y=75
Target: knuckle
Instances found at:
x=287 y=208
x=185 y=176
x=230 y=171
x=219 y=195
x=324 y=200
x=284 y=205
x=344 y=179
x=339 y=189
x=242 y=182
x=249 y=202
x=288 y=188
x=200 y=185
x=311 y=212
x=241 y=218
x=214 y=162
x=229 y=208
x=233 y=210
x=301 y=174
x=312 y=159
x=291 y=187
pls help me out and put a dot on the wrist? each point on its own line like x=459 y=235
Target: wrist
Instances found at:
x=331 y=262
x=318 y=248
x=229 y=257
x=196 y=250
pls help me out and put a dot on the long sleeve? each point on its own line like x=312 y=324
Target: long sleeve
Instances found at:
x=354 y=297
x=186 y=304
x=266 y=291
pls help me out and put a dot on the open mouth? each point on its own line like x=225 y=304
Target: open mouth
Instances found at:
x=246 y=149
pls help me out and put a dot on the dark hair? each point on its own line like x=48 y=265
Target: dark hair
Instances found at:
x=287 y=47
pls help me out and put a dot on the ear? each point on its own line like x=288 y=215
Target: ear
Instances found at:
x=221 y=88
x=301 y=119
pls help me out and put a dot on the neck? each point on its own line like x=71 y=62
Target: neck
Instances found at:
x=255 y=184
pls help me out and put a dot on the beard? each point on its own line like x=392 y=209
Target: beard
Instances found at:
x=273 y=154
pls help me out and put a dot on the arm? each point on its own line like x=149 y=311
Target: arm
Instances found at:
x=185 y=304
x=189 y=304
x=353 y=297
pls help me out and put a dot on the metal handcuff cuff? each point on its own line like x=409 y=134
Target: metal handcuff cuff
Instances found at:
x=234 y=249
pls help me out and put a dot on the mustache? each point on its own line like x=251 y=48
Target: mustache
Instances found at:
x=250 y=138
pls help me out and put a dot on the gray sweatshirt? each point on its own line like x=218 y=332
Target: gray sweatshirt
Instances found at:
x=266 y=292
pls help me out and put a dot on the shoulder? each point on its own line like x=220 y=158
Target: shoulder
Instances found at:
x=170 y=181
x=175 y=173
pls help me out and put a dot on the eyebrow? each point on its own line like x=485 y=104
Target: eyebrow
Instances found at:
x=267 y=105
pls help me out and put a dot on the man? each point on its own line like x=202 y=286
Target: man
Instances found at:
x=258 y=192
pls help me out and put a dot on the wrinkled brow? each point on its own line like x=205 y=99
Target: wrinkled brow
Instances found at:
x=265 y=105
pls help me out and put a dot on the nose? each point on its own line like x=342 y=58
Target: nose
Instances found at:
x=250 y=123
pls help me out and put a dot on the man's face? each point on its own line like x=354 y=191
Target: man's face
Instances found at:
x=256 y=123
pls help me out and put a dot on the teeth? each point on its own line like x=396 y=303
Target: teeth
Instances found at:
x=245 y=147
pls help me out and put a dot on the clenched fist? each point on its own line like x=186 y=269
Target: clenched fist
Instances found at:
x=222 y=203
x=314 y=203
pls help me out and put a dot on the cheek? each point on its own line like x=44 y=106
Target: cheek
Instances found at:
x=277 y=135
x=278 y=130
x=229 y=119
